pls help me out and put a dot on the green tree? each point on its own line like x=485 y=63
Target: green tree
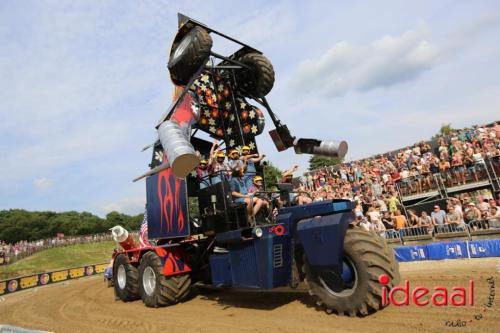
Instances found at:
x=19 y=224
x=316 y=162
x=445 y=130
x=271 y=175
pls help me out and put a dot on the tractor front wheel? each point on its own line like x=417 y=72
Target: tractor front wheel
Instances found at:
x=189 y=52
x=367 y=257
x=157 y=289
x=259 y=79
x=125 y=279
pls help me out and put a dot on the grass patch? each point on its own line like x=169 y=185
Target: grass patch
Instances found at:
x=60 y=258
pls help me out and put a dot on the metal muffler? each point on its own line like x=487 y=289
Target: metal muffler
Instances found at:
x=179 y=152
x=327 y=148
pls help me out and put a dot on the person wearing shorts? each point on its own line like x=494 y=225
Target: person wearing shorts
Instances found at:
x=240 y=193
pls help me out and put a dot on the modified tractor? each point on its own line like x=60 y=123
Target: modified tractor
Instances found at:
x=200 y=235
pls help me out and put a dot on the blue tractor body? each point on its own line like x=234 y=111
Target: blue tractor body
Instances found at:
x=265 y=262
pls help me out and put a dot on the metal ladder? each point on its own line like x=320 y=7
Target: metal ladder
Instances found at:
x=492 y=176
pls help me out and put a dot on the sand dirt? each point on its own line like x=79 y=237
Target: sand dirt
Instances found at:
x=87 y=305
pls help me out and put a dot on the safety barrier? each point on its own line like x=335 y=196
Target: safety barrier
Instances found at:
x=438 y=232
x=451 y=230
x=41 y=279
x=487 y=171
x=392 y=236
x=449 y=250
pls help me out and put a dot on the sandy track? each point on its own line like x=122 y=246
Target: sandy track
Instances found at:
x=86 y=305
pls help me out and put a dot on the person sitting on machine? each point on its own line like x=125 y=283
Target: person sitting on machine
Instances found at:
x=218 y=167
x=203 y=172
x=234 y=161
x=257 y=186
x=299 y=196
x=250 y=160
x=240 y=193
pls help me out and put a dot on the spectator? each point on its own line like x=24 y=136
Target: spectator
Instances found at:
x=374 y=215
x=414 y=220
x=472 y=213
x=494 y=217
x=482 y=205
x=399 y=220
x=454 y=218
x=426 y=221
x=393 y=202
x=492 y=203
x=363 y=223
x=438 y=216
x=387 y=221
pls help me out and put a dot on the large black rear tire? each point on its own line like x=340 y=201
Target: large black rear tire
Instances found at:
x=258 y=81
x=369 y=257
x=125 y=279
x=158 y=290
x=189 y=52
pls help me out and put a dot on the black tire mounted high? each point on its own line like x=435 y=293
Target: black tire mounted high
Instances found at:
x=370 y=257
x=169 y=290
x=258 y=81
x=188 y=54
x=127 y=290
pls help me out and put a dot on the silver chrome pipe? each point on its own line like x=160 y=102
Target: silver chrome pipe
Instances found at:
x=178 y=150
x=329 y=148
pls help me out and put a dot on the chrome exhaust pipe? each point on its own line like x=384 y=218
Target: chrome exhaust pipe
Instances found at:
x=328 y=148
x=179 y=152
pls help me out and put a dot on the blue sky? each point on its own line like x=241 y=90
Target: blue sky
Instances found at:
x=82 y=83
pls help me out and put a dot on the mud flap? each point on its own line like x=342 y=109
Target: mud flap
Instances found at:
x=322 y=239
x=173 y=260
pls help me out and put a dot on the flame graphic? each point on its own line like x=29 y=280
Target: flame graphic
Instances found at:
x=169 y=196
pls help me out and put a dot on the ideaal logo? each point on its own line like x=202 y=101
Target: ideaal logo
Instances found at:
x=440 y=296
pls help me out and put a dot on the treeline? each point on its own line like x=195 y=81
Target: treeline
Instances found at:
x=19 y=224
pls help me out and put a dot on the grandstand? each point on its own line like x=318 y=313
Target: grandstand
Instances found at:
x=459 y=173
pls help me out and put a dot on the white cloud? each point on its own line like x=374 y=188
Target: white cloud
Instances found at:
x=127 y=205
x=385 y=62
x=42 y=184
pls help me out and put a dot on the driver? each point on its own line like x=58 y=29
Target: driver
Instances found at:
x=257 y=186
x=240 y=193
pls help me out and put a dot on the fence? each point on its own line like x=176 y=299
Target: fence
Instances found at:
x=11 y=253
x=41 y=279
x=487 y=172
x=455 y=249
x=422 y=233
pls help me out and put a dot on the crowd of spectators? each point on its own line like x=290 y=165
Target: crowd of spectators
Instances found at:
x=12 y=252
x=373 y=183
x=456 y=216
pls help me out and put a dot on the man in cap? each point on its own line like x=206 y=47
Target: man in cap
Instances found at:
x=234 y=161
x=203 y=174
x=438 y=216
x=240 y=193
x=472 y=213
x=219 y=169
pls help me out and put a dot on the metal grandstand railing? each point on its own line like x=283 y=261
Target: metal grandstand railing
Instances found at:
x=423 y=187
x=438 y=232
